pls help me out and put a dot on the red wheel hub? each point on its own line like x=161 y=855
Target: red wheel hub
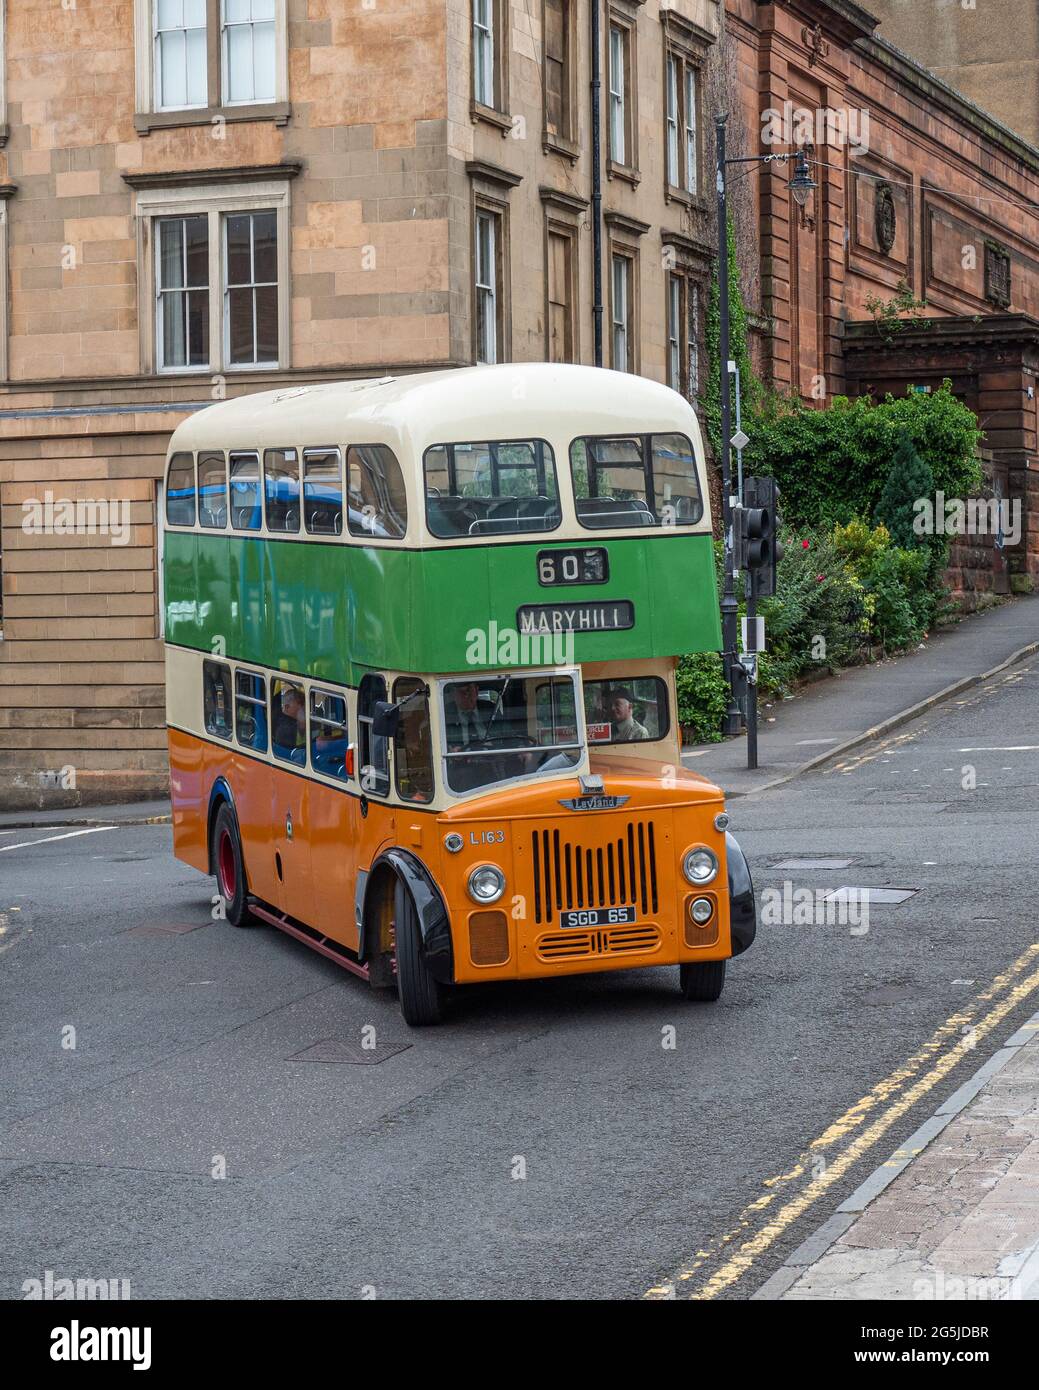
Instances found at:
x=226 y=866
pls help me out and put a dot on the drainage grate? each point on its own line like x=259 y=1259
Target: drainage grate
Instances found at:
x=338 y=1050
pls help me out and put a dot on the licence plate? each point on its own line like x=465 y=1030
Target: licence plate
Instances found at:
x=597 y=917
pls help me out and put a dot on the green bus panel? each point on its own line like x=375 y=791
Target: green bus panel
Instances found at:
x=334 y=611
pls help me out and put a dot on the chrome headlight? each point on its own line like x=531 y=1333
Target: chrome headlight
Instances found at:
x=700 y=865
x=701 y=910
x=486 y=883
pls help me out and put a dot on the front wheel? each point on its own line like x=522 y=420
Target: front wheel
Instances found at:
x=421 y=996
x=229 y=867
x=703 y=982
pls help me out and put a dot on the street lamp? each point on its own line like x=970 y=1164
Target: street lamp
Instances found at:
x=801 y=185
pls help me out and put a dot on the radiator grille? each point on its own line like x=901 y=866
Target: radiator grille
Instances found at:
x=572 y=945
x=569 y=876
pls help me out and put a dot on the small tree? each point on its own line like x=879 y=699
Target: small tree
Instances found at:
x=909 y=479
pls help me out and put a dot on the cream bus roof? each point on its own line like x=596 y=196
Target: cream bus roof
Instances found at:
x=513 y=401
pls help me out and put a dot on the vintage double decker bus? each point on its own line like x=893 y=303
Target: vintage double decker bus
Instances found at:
x=421 y=638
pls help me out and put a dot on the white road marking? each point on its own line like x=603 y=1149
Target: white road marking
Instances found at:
x=1016 y=748
x=69 y=835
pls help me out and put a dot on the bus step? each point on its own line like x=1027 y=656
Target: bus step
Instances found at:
x=323 y=944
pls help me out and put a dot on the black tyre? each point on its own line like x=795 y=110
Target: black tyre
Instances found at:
x=421 y=997
x=229 y=868
x=702 y=983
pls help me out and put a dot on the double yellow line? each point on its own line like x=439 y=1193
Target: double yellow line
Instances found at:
x=828 y=1158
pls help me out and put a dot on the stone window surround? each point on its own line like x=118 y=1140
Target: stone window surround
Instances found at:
x=213 y=192
x=623 y=14
x=689 y=44
x=491 y=186
x=564 y=213
x=147 y=118
x=692 y=261
x=622 y=239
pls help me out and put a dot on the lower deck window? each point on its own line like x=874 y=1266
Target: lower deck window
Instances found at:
x=413 y=745
x=504 y=728
x=250 y=713
x=288 y=722
x=626 y=710
x=329 y=735
x=374 y=749
x=216 y=698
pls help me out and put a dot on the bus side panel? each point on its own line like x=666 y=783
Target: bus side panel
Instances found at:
x=289 y=819
x=187 y=774
x=334 y=819
x=248 y=598
x=250 y=782
x=216 y=629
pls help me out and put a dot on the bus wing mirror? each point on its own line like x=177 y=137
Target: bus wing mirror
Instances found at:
x=385 y=719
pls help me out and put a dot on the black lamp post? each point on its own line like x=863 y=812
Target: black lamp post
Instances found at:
x=801 y=186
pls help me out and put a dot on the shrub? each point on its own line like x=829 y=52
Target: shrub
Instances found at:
x=909 y=479
x=703 y=696
x=831 y=465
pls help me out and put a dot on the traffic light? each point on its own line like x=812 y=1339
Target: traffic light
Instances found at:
x=758 y=549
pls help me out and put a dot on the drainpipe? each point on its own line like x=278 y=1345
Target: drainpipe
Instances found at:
x=596 y=180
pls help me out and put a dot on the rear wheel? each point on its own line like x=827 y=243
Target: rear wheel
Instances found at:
x=703 y=982
x=229 y=867
x=421 y=996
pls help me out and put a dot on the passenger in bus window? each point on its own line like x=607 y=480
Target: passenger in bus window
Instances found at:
x=290 y=725
x=626 y=727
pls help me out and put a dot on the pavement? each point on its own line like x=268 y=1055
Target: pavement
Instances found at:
x=127 y=813
x=953 y=1214
x=865 y=703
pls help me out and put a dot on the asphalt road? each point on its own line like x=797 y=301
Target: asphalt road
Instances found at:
x=546 y=1142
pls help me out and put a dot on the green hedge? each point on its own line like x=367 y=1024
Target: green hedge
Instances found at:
x=831 y=465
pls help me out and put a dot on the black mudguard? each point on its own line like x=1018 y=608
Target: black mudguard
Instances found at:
x=434 y=923
x=743 y=917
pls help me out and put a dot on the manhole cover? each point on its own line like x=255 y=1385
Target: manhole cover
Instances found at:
x=890 y=994
x=813 y=864
x=875 y=897
x=354 y=1053
x=173 y=929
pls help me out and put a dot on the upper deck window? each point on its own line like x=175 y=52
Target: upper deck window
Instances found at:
x=496 y=488
x=180 y=491
x=378 y=504
x=323 y=491
x=635 y=480
x=212 y=489
x=281 y=489
x=246 y=511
